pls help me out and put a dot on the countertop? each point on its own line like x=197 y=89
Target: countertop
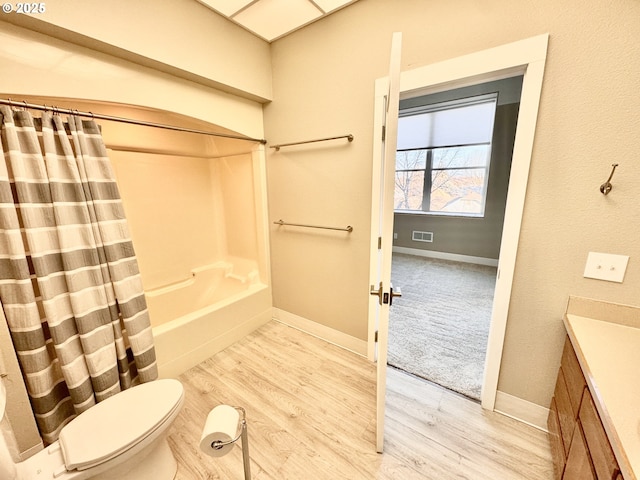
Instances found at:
x=609 y=353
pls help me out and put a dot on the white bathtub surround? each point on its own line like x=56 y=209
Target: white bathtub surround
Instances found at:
x=190 y=339
x=200 y=226
x=206 y=286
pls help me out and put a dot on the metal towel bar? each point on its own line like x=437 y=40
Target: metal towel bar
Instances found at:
x=348 y=228
x=277 y=147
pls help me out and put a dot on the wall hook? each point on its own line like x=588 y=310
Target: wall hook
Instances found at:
x=606 y=187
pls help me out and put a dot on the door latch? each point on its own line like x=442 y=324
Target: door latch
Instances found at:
x=385 y=298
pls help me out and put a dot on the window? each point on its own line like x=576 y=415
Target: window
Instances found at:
x=443 y=157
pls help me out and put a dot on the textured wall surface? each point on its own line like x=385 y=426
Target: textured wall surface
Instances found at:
x=589 y=118
x=181 y=37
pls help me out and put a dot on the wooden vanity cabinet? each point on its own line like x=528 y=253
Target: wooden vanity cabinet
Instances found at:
x=580 y=447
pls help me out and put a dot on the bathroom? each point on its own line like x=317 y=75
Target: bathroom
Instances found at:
x=263 y=90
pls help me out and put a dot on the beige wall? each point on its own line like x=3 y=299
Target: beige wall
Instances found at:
x=589 y=118
x=181 y=37
x=27 y=58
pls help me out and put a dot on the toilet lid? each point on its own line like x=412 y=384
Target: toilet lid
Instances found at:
x=117 y=423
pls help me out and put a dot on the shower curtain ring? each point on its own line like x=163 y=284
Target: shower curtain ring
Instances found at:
x=26 y=105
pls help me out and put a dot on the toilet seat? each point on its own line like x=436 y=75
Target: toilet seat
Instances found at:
x=114 y=425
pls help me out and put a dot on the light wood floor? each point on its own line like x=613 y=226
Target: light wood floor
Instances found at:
x=311 y=409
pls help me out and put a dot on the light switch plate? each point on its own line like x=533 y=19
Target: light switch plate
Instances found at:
x=606 y=266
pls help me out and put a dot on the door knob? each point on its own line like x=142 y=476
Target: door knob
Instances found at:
x=377 y=292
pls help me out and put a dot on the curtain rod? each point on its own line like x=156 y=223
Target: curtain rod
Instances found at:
x=67 y=111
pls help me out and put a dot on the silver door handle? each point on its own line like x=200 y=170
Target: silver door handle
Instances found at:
x=394 y=293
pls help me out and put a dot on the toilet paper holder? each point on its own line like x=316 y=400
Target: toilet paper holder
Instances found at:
x=218 y=444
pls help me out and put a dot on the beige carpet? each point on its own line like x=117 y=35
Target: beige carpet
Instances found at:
x=438 y=329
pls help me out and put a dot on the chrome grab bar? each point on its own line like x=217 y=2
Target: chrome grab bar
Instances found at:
x=348 y=228
x=277 y=147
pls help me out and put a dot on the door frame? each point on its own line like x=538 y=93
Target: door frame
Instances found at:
x=527 y=58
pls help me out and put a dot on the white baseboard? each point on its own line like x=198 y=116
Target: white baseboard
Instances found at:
x=491 y=262
x=323 y=332
x=522 y=410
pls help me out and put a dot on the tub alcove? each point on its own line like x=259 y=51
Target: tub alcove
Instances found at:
x=197 y=212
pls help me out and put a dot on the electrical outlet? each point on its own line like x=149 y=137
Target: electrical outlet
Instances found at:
x=395 y=236
x=606 y=266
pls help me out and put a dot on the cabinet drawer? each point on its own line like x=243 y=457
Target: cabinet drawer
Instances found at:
x=555 y=438
x=573 y=376
x=604 y=461
x=566 y=418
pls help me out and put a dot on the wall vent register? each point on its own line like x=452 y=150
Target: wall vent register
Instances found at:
x=417 y=236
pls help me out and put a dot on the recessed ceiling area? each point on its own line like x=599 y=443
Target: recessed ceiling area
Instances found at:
x=273 y=19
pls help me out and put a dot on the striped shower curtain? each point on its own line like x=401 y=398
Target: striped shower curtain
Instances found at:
x=70 y=288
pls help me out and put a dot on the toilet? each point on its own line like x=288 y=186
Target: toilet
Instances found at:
x=123 y=437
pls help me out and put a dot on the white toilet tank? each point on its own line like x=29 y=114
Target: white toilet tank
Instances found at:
x=7 y=465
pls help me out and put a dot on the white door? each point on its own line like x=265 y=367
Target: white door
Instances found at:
x=386 y=129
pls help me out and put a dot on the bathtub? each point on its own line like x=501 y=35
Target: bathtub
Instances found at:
x=197 y=317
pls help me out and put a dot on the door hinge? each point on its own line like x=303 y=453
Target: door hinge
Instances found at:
x=379 y=243
x=375 y=339
x=384 y=132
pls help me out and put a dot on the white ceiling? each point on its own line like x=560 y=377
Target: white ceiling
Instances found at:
x=272 y=19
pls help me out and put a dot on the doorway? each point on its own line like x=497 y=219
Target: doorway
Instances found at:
x=451 y=191
x=525 y=57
